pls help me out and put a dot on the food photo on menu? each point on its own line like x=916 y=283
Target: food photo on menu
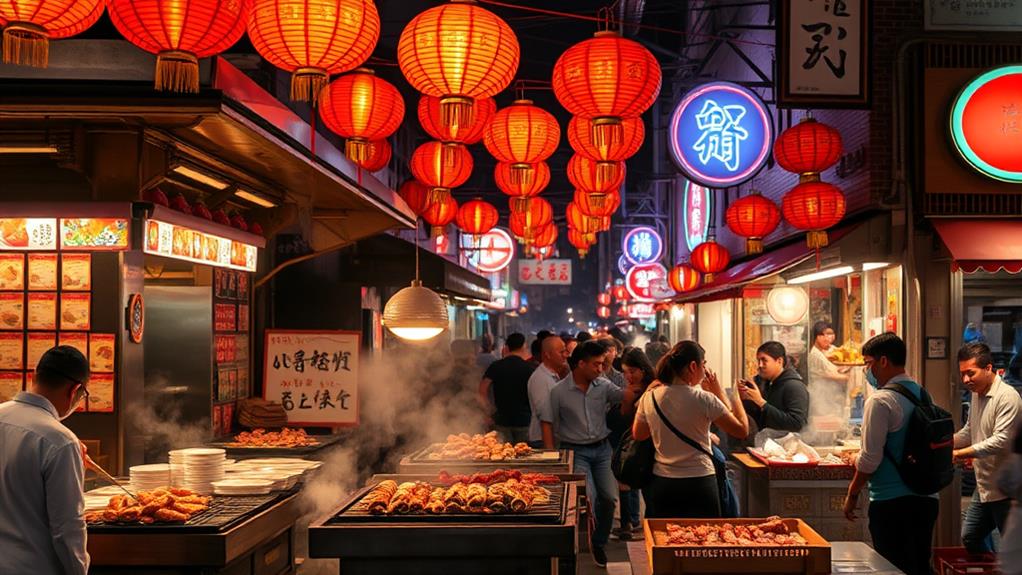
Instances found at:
x=77 y=272
x=12 y=272
x=12 y=311
x=42 y=272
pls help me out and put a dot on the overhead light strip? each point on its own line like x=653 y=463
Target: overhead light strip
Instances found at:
x=822 y=275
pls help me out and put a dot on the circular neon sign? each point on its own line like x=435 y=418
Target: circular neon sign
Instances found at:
x=494 y=251
x=648 y=282
x=986 y=124
x=720 y=134
x=642 y=245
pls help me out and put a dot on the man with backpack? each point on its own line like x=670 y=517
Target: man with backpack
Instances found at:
x=907 y=443
x=985 y=439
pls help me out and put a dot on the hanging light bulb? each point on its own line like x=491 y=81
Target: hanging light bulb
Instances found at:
x=416 y=313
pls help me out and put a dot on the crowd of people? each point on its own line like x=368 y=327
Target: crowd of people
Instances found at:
x=587 y=394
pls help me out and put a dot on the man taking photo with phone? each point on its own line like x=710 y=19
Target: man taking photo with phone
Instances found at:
x=778 y=398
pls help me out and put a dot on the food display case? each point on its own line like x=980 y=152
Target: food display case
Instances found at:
x=540 y=540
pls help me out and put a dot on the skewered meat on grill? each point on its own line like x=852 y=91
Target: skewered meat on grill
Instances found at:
x=286 y=437
x=378 y=499
x=510 y=495
x=161 y=505
x=771 y=533
x=479 y=448
x=498 y=476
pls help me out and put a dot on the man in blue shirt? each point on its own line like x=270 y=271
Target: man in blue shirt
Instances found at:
x=901 y=521
x=42 y=473
x=576 y=414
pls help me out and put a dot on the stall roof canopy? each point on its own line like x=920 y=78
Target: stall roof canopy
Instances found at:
x=729 y=283
x=232 y=119
x=983 y=244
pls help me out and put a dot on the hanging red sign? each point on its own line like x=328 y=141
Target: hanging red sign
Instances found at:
x=494 y=252
x=648 y=283
x=986 y=124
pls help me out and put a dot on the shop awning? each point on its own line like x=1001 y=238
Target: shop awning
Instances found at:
x=983 y=244
x=729 y=283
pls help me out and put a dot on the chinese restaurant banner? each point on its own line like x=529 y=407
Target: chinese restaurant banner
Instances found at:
x=546 y=272
x=973 y=15
x=824 y=53
x=313 y=375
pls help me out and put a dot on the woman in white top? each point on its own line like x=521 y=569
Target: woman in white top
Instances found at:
x=684 y=483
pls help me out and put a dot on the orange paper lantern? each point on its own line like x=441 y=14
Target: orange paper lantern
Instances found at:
x=379 y=156
x=710 y=258
x=808 y=147
x=607 y=79
x=580 y=136
x=29 y=25
x=518 y=190
x=603 y=312
x=361 y=107
x=521 y=135
x=581 y=221
x=582 y=241
x=536 y=213
x=603 y=298
x=620 y=294
x=545 y=236
x=814 y=207
x=440 y=214
x=458 y=52
x=180 y=33
x=753 y=217
x=441 y=167
x=468 y=133
x=683 y=278
x=416 y=195
x=597 y=179
x=313 y=39
x=597 y=206
x=477 y=217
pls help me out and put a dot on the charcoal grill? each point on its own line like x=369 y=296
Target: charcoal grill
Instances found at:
x=223 y=513
x=497 y=544
x=305 y=451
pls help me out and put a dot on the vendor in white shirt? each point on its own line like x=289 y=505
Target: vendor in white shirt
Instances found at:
x=827 y=382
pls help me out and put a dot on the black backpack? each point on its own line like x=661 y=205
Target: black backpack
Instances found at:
x=926 y=466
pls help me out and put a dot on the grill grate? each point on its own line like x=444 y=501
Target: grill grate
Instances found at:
x=224 y=511
x=537 y=457
x=551 y=512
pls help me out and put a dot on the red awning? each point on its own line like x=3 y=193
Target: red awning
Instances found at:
x=729 y=283
x=983 y=244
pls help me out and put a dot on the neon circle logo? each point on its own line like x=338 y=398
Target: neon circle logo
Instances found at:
x=986 y=124
x=642 y=245
x=493 y=253
x=720 y=134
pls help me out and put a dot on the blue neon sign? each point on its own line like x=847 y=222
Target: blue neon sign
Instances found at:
x=720 y=134
x=642 y=245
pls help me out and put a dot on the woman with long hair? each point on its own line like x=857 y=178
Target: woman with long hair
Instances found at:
x=638 y=374
x=684 y=482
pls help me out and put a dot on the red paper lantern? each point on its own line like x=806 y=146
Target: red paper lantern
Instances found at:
x=808 y=147
x=607 y=79
x=620 y=293
x=710 y=258
x=440 y=214
x=595 y=178
x=580 y=136
x=582 y=241
x=466 y=133
x=603 y=298
x=314 y=39
x=458 y=52
x=683 y=278
x=379 y=156
x=814 y=207
x=603 y=312
x=180 y=33
x=545 y=236
x=441 y=166
x=416 y=195
x=361 y=107
x=597 y=206
x=522 y=134
x=753 y=217
x=518 y=190
x=477 y=217
x=580 y=221
x=536 y=214
x=29 y=25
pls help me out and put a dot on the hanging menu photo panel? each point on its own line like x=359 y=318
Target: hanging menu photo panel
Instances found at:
x=313 y=375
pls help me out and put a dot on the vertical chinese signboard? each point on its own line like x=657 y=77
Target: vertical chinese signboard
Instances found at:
x=546 y=272
x=824 y=53
x=696 y=203
x=314 y=375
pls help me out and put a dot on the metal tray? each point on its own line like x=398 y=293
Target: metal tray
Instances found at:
x=235 y=451
x=355 y=512
x=225 y=511
x=537 y=457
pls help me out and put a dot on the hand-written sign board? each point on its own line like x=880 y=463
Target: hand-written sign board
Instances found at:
x=314 y=375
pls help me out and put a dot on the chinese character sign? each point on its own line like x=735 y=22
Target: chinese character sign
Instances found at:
x=720 y=134
x=986 y=123
x=971 y=15
x=648 y=282
x=313 y=375
x=824 y=56
x=696 y=204
x=642 y=245
x=546 y=272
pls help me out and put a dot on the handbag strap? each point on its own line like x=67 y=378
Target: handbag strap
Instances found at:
x=695 y=445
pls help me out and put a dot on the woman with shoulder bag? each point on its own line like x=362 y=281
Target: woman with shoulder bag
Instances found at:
x=684 y=481
x=638 y=373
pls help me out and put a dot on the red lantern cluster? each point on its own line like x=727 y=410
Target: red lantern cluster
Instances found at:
x=710 y=258
x=813 y=206
x=521 y=135
x=603 y=298
x=753 y=217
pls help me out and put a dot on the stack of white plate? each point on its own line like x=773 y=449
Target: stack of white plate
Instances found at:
x=149 y=477
x=177 y=467
x=201 y=467
x=242 y=486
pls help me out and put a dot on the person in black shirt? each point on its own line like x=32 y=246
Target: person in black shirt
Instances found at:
x=509 y=378
x=778 y=398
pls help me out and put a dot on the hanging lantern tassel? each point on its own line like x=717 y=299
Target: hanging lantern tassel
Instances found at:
x=817 y=239
x=358 y=150
x=606 y=172
x=456 y=111
x=177 y=71
x=307 y=83
x=607 y=131
x=437 y=231
x=26 y=44
x=583 y=252
x=708 y=278
x=522 y=174
x=754 y=246
x=520 y=204
x=439 y=195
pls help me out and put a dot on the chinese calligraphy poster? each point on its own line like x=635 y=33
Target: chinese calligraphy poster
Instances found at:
x=313 y=375
x=824 y=53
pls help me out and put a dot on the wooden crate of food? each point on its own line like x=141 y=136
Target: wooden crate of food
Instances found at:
x=669 y=559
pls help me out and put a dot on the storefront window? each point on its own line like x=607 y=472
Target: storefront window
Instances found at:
x=993 y=315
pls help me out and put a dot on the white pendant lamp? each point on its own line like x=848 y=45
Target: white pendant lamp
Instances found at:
x=416 y=313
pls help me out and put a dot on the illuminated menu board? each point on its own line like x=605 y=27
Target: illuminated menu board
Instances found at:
x=70 y=233
x=179 y=242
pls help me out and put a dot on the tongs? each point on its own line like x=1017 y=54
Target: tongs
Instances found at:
x=95 y=466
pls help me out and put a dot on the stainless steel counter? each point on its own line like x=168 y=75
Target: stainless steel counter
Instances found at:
x=846 y=557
